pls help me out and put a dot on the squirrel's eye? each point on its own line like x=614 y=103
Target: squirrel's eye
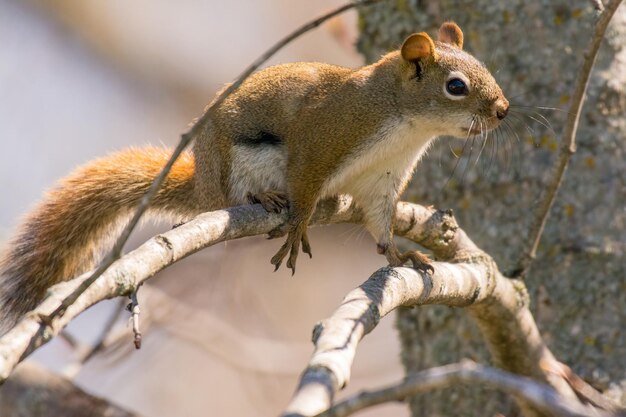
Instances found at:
x=457 y=87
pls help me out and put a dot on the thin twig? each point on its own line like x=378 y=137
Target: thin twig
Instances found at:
x=186 y=138
x=106 y=330
x=495 y=303
x=583 y=390
x=597 y=4
x=69 y=339
x=133 y=307
x=568 y=143
x=540 y=395
x=336 y=339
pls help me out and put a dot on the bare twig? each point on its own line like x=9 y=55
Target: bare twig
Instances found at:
x=135 y=311
x=336 y=339
x=415 y=222
x=106 y=330
x=568 y=143
x=598 y=5
x=69 y=339
x=186 y=138
x=584 y=391
x=540 y=395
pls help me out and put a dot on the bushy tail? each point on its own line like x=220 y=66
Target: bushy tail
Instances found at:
x=65 y=234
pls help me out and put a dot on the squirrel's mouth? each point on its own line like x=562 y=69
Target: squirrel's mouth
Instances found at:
x=480 y=128
x=472 y=131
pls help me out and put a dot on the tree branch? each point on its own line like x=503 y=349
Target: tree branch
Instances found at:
x=499 y=305
x=568 y=143
x=541 y=396
x=127 y=273
x=336 y=338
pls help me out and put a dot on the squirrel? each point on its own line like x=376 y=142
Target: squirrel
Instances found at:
x=289 y=136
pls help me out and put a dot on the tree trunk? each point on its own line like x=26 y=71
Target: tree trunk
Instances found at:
x=578 y=281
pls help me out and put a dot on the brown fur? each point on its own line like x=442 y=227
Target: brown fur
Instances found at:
x=326 y=114
x=451 y=34
x=300 y=130
x=63 y=235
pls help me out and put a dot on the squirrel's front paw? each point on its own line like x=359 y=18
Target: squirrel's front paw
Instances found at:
x=296 y=236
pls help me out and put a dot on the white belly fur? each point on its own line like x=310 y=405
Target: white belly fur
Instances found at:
x=388 y=163
x=255 y=170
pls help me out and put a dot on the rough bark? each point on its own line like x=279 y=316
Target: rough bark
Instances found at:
x=577 y=282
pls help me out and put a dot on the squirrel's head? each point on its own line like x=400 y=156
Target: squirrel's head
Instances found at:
x=454 y=89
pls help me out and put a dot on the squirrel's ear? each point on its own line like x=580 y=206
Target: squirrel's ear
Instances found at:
x=418 y=46
x=451 y=34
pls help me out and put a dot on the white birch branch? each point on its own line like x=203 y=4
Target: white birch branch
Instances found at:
x=336 y=338
x=460 y=285
x=127 y=273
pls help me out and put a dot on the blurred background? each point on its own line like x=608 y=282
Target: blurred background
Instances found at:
x=222 y=332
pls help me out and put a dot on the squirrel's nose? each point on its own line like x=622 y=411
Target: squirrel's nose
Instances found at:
x=502 y=108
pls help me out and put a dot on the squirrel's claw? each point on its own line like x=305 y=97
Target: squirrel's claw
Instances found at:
x=280 y=255
x=420 y=261
x=306 y=246
x=297 y=236
x=293 y=255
